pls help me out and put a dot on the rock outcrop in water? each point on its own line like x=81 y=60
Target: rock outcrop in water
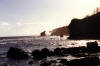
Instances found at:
x=61 y=31
x=16 y=53
x=92 y=47
x=43 y=33
x=86 y=28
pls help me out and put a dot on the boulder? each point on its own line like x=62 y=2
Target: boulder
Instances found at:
x=4 y=64
x=92 y=46
x=90 y=61
x=16 y=53
x=30 y=62
x=45 y=51
x=51 y=53
x=58 y=52
x=39 y=55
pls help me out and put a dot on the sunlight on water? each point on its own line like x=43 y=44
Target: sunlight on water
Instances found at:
x=82 y=42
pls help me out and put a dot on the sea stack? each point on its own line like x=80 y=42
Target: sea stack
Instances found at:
x=43 y=33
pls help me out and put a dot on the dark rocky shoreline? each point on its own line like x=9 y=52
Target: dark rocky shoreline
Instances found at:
x=89 y=53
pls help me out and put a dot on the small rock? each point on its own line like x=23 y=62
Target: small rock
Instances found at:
x=4 y=64
x=30 y=62
x=16 y=53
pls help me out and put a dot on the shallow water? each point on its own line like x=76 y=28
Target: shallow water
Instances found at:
x=35 y=42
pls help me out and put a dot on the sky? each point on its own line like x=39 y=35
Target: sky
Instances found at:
x=30 y=17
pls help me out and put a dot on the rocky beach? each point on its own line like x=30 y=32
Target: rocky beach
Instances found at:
x=48 y=51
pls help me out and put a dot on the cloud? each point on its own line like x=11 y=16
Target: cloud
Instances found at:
x=4 y=23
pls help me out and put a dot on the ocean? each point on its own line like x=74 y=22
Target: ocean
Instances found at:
x=30 y=43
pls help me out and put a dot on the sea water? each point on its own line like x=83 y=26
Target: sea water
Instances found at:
x=36 y=42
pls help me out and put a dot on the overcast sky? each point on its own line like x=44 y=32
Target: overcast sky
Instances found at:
x=30 y=17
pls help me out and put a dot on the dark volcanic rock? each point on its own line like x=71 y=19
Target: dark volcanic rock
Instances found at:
x=58 y=52
x=4 y=64
x=90 y=61
x=64 y=61
x=92 y=47
x=16 y=53
x=39 y=55
x=46 y=64
x=43 y=33
x=86 y=28
x=30 y=62
x=75 y=50
x=51 y=53
x=45 y=51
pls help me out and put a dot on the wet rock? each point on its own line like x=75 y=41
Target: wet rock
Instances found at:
x=36 y=54
x=74 y=50
x=4 y=64
x=90 y=61
x=80 y=55
x=16 y=53
x=39 y=55
x=92 y=46
x=30 y=62
x=58 y=52
x=45 y=64
x=64 y=61
x=53 y=61
x=49 y=63
x=45 y=51
x=51 y=53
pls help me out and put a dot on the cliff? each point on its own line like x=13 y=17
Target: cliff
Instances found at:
x=61 y=31
x=86 y=28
